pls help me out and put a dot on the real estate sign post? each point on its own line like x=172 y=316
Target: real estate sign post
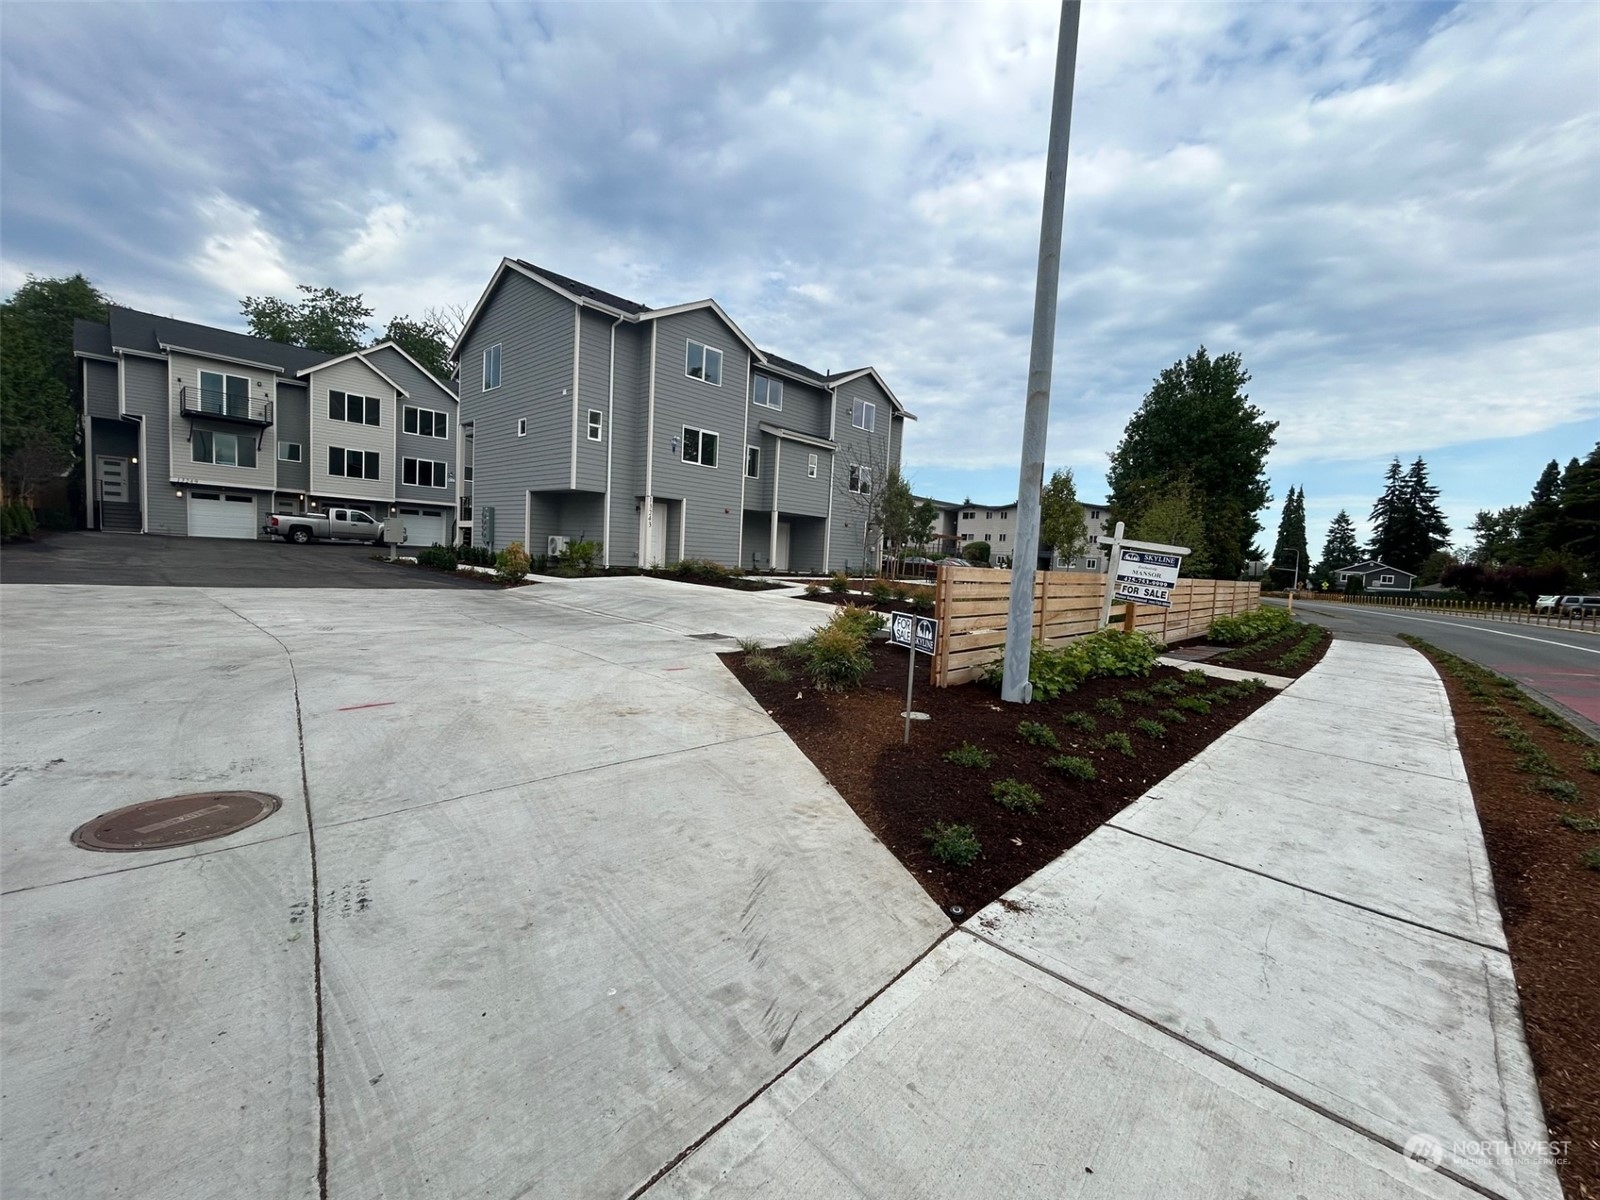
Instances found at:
x=1140 y=572
x=917 y=635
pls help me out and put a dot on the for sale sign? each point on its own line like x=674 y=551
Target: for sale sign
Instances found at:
x=917 y=634
x=1147 y=576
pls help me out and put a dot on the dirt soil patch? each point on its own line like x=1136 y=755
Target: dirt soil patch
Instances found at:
x=1265 y=658
x=900 y=791
x=1549 y=902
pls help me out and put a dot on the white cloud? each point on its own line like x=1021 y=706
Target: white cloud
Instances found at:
x=236 y=252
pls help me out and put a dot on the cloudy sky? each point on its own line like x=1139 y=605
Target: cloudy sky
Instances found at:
x=1389 y=211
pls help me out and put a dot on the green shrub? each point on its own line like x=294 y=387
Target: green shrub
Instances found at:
x=581 y=556
x=1192 y=704
x=1017 y=796
x=1591 y=761
x=1079 y=720
x=17 y=522
x=1562 y=789
x=1108 y=707
x=751 y=645
x=860 y=621
x=512 y=564
x=1196 y=678
x=1036 y=734
x=922 y=603
x=968 y=755
x=813 y=589
x=1172 y=716
x=768 y=667
x=1167 y=687
x=1067 y=764
x=1581 y=824
x=899 y=593
x=839 y=583
x=1138 y=696
x=1054 y=671
x=1249 y=626
x=477 y=556
x=700 y=570
x=1590 y=858
x=880 y=592
x=440 y=558
x=956 y=845
x=1118 y=741
x=836 y=658
x=1150 y=728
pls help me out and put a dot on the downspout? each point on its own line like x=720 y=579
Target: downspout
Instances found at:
x=577 y=354
x=750 y=391
x=647 y=525
x=88 y=445
x=611 y=434
x=772 y=537
x=833 y=457
x=144 y=474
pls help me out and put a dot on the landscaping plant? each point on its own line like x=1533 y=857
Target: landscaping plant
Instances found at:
x=835 y=656
x=1120 y=742
x=1108 y=707
x=956 y=845
x=512 y=564
x=1036 y=734
x=1150 y=728
x=839 y=583
x=1068 y=764
x=1249 y=626
x=1079 y=720
x=1017 y=796
x=968 y=755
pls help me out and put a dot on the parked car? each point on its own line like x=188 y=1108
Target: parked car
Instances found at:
x=336 y=525
x=1546 y=604
x=1579 y=606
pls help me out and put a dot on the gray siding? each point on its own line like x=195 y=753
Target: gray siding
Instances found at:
x=593 y=383
x=145 y=389
x=850 y=510
x=758 y=491
x=100 y=388
x=797 y=492
x=423 y=393
x=711 y=496
x=533 y=326
x=292 y=423
x=805 y=408
x=626 y=442
x=757 y=532
x=807 y=549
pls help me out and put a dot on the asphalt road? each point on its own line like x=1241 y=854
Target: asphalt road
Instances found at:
x=1560 y=667
x=138 y=560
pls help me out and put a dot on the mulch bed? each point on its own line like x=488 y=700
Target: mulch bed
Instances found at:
x=1550 y=905
x=464 y=578
x=1263 y=659
x=898 y=791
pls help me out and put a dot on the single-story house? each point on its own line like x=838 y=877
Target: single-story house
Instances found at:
x=1376 y=576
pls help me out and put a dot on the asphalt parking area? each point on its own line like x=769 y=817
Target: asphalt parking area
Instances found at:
x=135 y=560
x=547 y=899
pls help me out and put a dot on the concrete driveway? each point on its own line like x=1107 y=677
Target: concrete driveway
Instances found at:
x=548 y=897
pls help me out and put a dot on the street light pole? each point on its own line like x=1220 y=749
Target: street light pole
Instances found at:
x=1014 y=686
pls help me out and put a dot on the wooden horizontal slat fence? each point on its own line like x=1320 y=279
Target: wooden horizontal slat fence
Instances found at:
x=972 y=602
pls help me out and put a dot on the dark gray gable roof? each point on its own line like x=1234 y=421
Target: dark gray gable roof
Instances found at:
x=588 y=292
x=794 y=368
x=91 y=337
x=146 y=332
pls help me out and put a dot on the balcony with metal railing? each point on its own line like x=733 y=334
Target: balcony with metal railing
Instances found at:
x=217 y=405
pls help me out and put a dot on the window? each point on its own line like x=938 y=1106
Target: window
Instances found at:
x=699 y=447
x=288 y=451
x=969 y=515
x=423 y=472
x=1094 y=514
x=988 y=516
x=1383 y=579
x=426 y=422
x=769 y=392
x=223 y=449
x=594 y=425
x=861 y=480
x=1092 y=563
x=357 y=410
x=221 y=393
x=811 y=466
x=752 y=462
x=1005 y=514
x=1001 y=538
x=522 y=426
x=491 y=368
x=353 y=464
x=703 y=362
x=864 y=415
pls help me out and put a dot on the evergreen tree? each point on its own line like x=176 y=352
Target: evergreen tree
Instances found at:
x=1291 y=559
x=1536 y=531
x=1197 y=424
x=1340 y=548
x=1426 y=528
x=1579 y=525
x=1495 y=536
x=1389 y=517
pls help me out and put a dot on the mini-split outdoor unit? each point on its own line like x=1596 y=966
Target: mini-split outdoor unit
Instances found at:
x=557 y=545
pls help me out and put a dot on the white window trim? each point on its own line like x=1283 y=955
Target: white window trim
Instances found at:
x=345 y=474
x=436 y=471
x=200 y=375
x=1383 y=579
x=699 y=447
x=522 y=426
x=863 y=475
x=868 y=411
x=596 y=425
x=299 y=452
x=365 y=401
x=771 y=383
x=811 y=466
x=704 y=351
x=499 y=367
x=233 y=439
x=438 y=416
x=749 y=453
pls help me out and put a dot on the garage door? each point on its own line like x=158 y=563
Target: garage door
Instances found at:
x=222 y=515
x=423 y=529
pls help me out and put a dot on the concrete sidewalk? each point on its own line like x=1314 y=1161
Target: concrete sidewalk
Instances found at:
x=1270 y=976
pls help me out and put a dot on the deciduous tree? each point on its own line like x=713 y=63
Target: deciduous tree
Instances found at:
x=426 y=341
x=1061 y=524
x=322 y=319
x=1171 y=515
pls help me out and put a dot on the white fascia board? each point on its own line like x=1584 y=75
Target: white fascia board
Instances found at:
x=171 y=348
x=400 y=350
x=356 y=354
x=790 y=435
x=878 y=379
x=105 y=358
x=755 y=350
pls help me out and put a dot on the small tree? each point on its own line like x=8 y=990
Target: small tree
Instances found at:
x=896 y=511
x=1061 y=524
x=859 y=483
x=425 y=340
x=1340 y=548
x=1170 y=515
x=976 y=552
x=923 y=518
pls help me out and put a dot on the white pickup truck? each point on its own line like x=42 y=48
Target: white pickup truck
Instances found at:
x=335 y=525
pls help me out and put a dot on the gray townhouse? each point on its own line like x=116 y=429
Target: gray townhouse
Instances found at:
x=194 y=431
x=663 y=433
x=997 y=525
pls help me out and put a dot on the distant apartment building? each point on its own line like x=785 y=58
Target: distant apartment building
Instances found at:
x=664 y=433
x=997 y=525
x=194 y=431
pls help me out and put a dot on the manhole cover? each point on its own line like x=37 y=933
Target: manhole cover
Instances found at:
x=175 y=821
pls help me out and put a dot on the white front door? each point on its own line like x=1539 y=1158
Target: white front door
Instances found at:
x=222 y=515
x=780 y=557
x=658 y=535
x=112 y=474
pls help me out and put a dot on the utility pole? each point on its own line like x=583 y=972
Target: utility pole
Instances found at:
x=1014 y=686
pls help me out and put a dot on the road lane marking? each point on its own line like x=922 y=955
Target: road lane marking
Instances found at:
x=1480 y=629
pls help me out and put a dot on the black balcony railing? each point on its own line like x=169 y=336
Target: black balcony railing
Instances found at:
x=219 y=406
